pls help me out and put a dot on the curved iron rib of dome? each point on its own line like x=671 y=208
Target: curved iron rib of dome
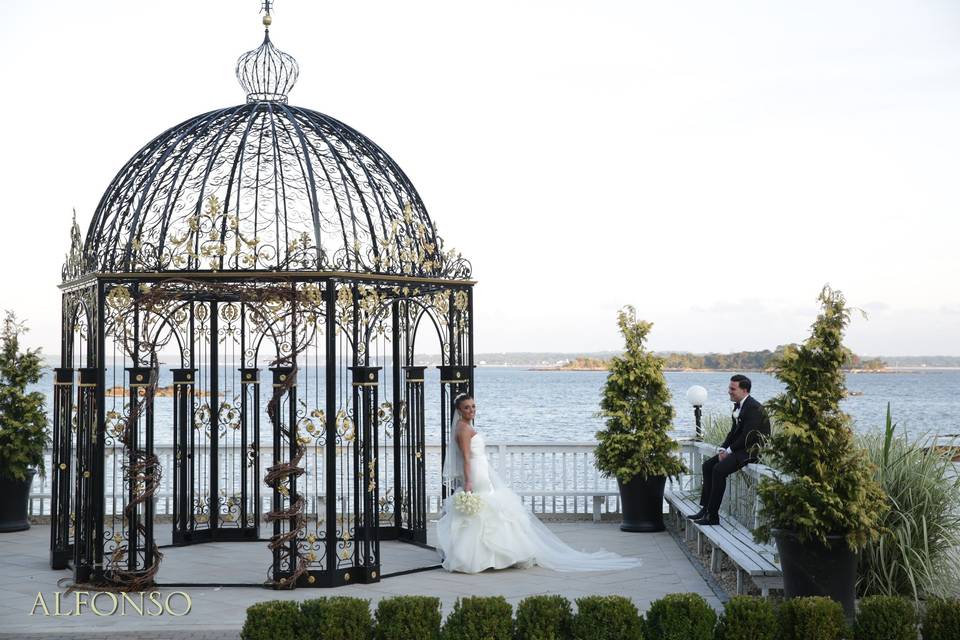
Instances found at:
x=292 y=190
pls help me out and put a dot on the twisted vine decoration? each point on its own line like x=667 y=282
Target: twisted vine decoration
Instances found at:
x=150 y=298
x=285 y=471
x=143 y=472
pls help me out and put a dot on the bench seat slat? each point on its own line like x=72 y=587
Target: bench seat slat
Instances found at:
x=743 y=558
x=732 y=538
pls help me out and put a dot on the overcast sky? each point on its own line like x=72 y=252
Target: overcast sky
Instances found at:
x=712 y=163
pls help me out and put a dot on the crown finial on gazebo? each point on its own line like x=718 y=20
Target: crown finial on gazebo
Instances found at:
x=267 y=19
x=266 y=73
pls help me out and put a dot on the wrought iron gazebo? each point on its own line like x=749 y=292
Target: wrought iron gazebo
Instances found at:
x=275 y=265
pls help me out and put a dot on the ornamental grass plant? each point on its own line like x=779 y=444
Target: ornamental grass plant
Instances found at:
x=829 y=486
x=715 y=428
x=916 y=556
x=637 y=410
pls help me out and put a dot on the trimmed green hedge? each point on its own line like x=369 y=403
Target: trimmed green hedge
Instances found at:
x=404 y=617
x=747 y=618
x=942 y=620
x=337 y=618
x=680 y=616
x=812 y=618
x=273 y=620
x=607 y=618
x=544 y=618
x=885 y=618
x=479 y=618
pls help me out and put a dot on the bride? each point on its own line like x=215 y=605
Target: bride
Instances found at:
x=503 y=532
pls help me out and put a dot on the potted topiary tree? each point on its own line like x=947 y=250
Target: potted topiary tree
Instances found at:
x=23 y=425
x=826 y=505
x=635 y=446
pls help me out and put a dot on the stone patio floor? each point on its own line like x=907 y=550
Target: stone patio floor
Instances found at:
x=218 y=612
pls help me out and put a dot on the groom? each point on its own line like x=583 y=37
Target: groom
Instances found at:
x=738 y=449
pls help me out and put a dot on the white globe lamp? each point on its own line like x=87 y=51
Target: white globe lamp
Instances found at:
x=697 y=397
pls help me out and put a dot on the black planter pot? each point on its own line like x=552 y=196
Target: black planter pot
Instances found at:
x=641 y=501
x=813 y=569
x=13 y=503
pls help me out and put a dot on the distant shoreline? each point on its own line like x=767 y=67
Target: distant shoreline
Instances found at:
x=886 y=370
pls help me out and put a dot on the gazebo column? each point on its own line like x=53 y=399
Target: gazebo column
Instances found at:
x=139 y=440
x=414 y=527
x=365 y=400
x=85 y=497
x=184 y=496
x=284 y=496
x=62 y=462
x=398 y=424
x=250 y=444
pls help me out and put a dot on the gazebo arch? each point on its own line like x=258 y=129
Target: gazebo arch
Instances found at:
x=288 y=261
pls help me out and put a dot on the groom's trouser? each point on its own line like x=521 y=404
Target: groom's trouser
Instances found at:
x=715 y=472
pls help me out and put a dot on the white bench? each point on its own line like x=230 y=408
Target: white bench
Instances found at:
x=598 y=495
x=730 y=538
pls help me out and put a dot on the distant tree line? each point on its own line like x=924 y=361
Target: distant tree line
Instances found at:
x=752 y=360
x=741 y=361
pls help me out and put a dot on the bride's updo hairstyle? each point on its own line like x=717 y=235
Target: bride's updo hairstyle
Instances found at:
x=460 y=398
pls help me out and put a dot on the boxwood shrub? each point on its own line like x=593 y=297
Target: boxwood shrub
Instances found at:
x=544 y=618
x=336 y=618
x=885 y=618
x=607 y=618
x=680 y=616
x=812 y=618
x=747 y=618
x=479 y=618
x=273 y=620
x=405 y=617
x=942 y=620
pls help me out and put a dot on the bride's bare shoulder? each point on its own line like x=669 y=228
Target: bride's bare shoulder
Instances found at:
x=464 y=427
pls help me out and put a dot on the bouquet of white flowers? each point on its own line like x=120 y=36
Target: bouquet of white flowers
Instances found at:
x=467 y=503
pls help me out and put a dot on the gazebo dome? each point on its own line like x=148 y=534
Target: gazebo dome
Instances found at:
x=265 y=186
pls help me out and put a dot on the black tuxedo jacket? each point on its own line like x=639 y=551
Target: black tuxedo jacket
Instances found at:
x=746 y=431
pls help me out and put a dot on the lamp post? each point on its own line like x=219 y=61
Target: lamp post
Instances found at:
x=697 y=396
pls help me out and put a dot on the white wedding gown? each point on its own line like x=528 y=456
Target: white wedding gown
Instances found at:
x=505 y=533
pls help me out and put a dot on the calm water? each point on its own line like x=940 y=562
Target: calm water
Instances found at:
x=516 y=404
x=559 y=405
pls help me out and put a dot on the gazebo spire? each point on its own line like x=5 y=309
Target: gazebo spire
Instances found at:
x=267 y=18
x=266 y=73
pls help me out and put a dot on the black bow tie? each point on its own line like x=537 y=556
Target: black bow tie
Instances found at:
x=736 y=405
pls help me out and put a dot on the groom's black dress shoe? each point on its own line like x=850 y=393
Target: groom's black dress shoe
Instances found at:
x=698 y=514
x=707 y=520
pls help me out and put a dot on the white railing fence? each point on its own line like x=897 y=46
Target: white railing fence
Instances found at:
x=554 y=479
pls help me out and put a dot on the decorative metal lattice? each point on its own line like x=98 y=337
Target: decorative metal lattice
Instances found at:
x=257 y=236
